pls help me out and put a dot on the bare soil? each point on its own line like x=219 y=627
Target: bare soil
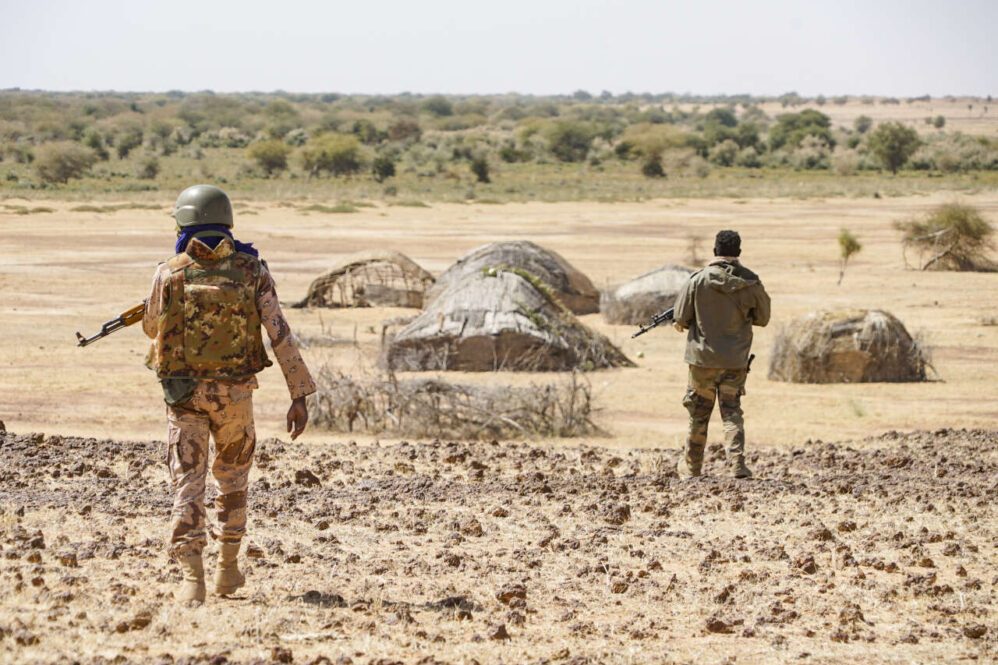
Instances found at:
x=874 y=551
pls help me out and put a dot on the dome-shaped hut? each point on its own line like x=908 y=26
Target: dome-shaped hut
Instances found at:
x=365 y=279
x=637 y=301
x=571 y=287
x=498 y=320
x=847 y=346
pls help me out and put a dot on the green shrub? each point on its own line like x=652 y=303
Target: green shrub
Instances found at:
x=338 y=154
x=510 y=154
x=93 y=140
x=480 y=167
x=954 y=236
x=439 y=106
x=748 y=158
x=129 y=139
x=939 y=122
x=383 y=168
x=271 y=155
x=569 y=141
x=791 y=128
x=724 y=153
x=893 y=143
x=405 y=129
x=148 y=168
x=58 y=162
x=652 y=167
x=862 y=124
x=848 y=245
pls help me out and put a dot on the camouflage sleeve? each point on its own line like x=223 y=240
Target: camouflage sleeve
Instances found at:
x=296 y=374
x=154 y=303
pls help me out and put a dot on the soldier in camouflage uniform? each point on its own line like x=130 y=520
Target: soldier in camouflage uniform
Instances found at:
x=718 y=306
x=204 y=314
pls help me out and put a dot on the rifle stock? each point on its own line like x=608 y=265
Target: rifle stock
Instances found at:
x=127 y=318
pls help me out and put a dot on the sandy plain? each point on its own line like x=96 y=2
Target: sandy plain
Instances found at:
x=66 y=271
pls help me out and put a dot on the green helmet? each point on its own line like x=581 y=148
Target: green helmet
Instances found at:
x=202 y=204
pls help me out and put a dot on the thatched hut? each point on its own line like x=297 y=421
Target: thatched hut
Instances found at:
x=499 y=320
x=847 y=346
x=571 y=287
x=636 y=301
x=379 y=277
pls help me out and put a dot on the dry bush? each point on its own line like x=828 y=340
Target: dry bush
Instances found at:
x=954 y=236
x=847 y=346
x=58 y=162
x=438 y=408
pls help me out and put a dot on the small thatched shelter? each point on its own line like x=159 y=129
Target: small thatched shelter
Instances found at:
x=847 y=346
x=365 y=279
x=499 y=320
x=571 y=287
x=643 y=297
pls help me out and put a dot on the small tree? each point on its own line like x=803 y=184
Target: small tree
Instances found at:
x=480 y=167
x=955 y=236
x=848 y=245
x=383 y=168
x=893 y=144
x=128 y=140
x=60 y=161
x=862 y=123
x=270 y=155
x=337 y=153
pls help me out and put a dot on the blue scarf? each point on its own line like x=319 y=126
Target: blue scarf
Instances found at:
x=212 y=241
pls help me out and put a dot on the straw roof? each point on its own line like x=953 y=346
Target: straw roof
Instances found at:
x=847 y=346
x=570 y=286
x=365 y=279
x=637 y=301
x=499 y=320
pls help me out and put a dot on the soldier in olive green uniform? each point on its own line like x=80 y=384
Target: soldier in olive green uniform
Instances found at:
x=204 y=314
x=718 y=306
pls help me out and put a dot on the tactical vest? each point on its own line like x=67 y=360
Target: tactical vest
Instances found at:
x=209 y=327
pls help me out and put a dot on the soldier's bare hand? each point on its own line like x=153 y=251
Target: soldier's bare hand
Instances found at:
x=297 y=417
x=678 y=326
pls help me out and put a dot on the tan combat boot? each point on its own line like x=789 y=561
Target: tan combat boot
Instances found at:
x=228 y=577
x=738 y=468
x=690 y=461
x=192 y=587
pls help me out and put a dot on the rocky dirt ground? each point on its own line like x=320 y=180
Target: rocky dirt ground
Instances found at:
x=876 y=551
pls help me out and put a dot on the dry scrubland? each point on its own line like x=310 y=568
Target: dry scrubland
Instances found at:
x=878 y=548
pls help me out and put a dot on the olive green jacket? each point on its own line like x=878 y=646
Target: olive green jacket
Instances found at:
x=719 y=305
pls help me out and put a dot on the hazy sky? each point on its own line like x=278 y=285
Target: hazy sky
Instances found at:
x=884 y=47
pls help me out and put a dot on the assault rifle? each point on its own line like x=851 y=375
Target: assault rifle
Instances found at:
x=128 y=317
x=656 y=321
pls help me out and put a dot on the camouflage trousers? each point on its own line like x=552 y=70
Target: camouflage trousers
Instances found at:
x=706 y=384
x=223 y=410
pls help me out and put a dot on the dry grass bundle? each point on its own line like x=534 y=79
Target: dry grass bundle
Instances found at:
x=847 y=346
x=437 y=408
x=953 y=236
x=378 y=277
x=643 y=297
x=568 y=285
x=499 y=320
